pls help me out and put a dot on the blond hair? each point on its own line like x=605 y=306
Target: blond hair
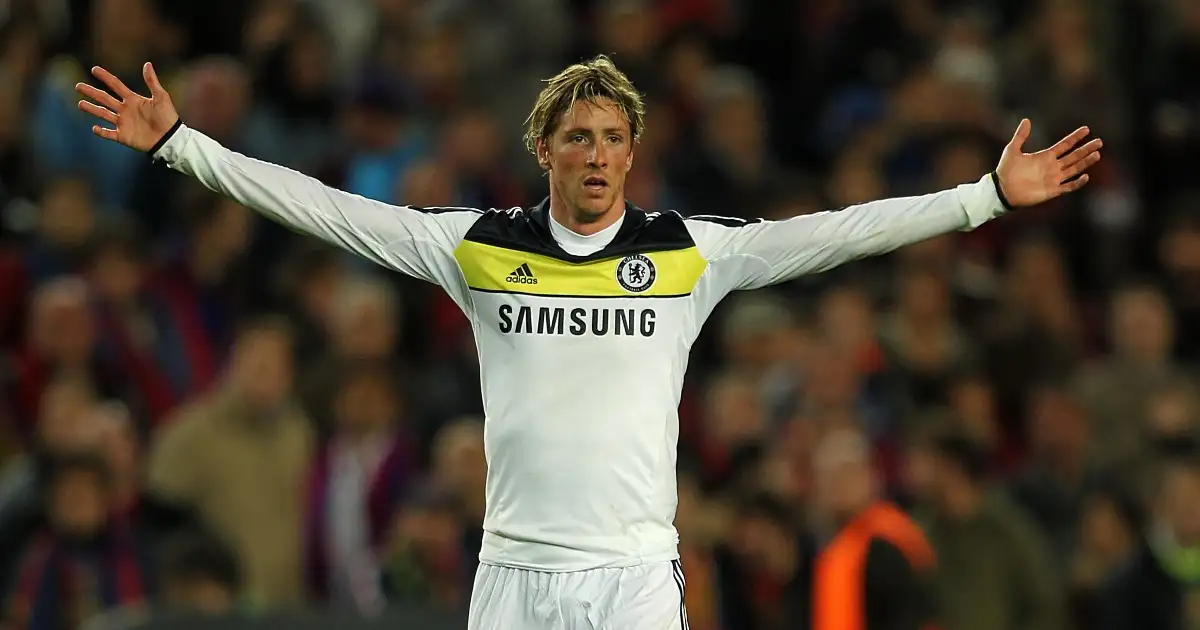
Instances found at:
x=590 y=81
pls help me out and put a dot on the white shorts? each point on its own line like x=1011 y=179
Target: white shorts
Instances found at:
x=646 y=597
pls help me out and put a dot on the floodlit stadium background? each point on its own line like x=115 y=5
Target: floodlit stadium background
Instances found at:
x=1062 y=338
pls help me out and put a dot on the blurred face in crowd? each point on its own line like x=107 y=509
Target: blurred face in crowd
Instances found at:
x=309 y=63
x=687 y=63
x=1141 y=326
x=262 y=368
x=975 y=408
x=319 y=288
x=428 y=185
x=1172 y=412
x=65 y=421
x=1036 y=283
x=832 y=380
x=61 y=327
x=846 y=319
x=473 y=142
x=959 y=163
x=365 y=326
x=628 y=30
x=436 y=61
x=923 y=298
x=117 y=275
x=366 y=404
x=22 y=55
x=67 y=217
x=844 y=482
x=225 y=236
x=1179 y=503
x=79 y=504
x=1058 y=427
x=920 y=101
x=734 y=414
x=1104 y=529
x=1179 y=252
x=856 y=179
x=735 y=126
x=589 y=156
x=215 y=96
x=126 y=20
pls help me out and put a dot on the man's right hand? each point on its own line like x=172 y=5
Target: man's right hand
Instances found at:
x=139 y=122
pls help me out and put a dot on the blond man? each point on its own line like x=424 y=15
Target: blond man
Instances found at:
x=584 y=309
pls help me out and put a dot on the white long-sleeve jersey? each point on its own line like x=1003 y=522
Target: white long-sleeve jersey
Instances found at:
x=583 y=342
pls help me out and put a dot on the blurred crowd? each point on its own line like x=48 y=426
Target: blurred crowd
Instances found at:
x=203 y=411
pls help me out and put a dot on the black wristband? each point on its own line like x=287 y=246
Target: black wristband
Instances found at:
x=1000 y=191
x=166 y=137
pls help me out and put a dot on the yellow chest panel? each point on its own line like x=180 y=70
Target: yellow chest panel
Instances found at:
x=653 y=274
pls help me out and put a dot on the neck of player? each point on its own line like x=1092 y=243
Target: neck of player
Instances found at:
x=584 y=221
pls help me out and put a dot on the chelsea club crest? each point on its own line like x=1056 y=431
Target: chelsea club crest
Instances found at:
x=635 y=273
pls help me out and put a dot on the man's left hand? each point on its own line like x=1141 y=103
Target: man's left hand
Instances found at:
x=1027 y=179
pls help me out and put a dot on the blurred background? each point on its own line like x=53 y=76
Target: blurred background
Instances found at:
x=203 y=413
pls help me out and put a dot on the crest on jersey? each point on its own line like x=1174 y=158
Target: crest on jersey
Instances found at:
x=635 y=273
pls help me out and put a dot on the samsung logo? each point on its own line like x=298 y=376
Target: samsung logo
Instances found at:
x=599 y=322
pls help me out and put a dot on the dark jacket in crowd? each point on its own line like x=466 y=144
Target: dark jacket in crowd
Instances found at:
x=1144 y=596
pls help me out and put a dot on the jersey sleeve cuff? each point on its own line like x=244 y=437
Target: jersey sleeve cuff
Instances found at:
x=981 y=201
x=168 y=147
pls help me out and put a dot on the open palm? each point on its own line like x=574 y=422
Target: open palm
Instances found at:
x=1027 y=179
x=137 y=121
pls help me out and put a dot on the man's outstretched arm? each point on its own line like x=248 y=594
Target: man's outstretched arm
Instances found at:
x=412 y=241
x=752 y=254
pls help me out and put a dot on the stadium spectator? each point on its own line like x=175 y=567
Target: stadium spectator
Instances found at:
x=362 y=325
x=459 y=465
x=969 y=528
x=201 y=573
x=355 y=485
x=874 y=551
x=1141 y=333
x=84 y=563
x=200 y=289
x=425 y=562
x=1110 y=522
x=61 y=341
x=239 y=455
x=64 y=425
x=1153 y=591
x=1057 y=474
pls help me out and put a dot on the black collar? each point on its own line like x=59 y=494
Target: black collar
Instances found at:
x=635 y=219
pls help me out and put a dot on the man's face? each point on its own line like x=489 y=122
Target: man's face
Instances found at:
x=589 y=156
x=263 y=369
x=842 y=477
x=1141 y=326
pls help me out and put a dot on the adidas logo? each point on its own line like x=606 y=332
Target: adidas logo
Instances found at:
x=521 y=275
